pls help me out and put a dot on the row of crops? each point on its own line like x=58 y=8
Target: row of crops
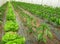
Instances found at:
x=50 y=14
x=11 y=27
x=39 y=29
x=2 y=9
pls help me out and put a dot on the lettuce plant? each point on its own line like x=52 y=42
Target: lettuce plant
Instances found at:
x=17 y=41
x=9 y=36
x=10 y=17
x=10 y=13
x=11 y=26
x=13 y=38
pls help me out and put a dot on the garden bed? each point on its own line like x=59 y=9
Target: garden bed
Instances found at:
x=32 y=35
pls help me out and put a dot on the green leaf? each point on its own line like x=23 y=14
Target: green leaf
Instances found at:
x=44 y=40
x=50 y=35
x=40 y=36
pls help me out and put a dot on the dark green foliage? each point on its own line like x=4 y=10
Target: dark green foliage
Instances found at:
x=44 y=33
x=2 y=11
x=45 y=12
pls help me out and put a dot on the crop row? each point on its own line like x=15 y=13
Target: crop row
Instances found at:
x=2 y=11
x=40 y=30
x=50 y=14
x=11 y=27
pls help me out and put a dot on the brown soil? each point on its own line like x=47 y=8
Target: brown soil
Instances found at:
x=0 y=31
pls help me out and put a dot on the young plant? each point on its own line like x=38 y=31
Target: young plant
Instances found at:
x=17 y=41
x=9 y=36
x=10 y=16
x=44 y=32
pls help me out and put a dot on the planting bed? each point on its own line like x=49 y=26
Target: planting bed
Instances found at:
x=47 y=13
x=25 y=23
x=24 y=16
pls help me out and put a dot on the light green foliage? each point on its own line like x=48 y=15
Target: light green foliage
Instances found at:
x=9 y=36
x=40 y=36
x=49 y=35
x=10 y=13
x=44 y=33
x=11 y=26
x=13 y=38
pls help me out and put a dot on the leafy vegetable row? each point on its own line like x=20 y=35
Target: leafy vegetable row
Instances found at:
x=11 y=27
x=40 y=30
x=45 y=12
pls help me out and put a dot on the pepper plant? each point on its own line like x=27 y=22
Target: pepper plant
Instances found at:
x=44 y=32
